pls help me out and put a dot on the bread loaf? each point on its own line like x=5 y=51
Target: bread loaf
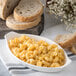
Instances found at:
x=73 y=49
x=66 y=40
x=16 y=25
x=28 y=10
x=7 y=7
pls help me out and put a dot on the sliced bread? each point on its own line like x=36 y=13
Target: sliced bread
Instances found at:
x=66 y=40
x=6 y=7
x=28 y=10
x=73 y=49
x=16 y=25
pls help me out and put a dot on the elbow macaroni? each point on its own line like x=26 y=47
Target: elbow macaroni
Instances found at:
x=38 y=53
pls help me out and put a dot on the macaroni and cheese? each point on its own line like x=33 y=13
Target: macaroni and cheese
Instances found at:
x=38 y=53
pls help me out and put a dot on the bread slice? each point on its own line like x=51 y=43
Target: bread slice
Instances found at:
x=73 y=49
x=6 y=7
x=16 y=25
x=66 y=40
x=28 y=10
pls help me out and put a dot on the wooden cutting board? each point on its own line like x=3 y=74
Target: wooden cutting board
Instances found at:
x=35 y=30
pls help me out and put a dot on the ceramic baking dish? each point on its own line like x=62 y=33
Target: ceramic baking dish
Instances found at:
x=12 y=35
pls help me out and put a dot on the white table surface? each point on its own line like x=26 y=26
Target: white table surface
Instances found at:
x=52 y=28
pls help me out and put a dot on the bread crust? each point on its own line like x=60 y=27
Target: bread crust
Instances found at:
x=29 y=18
x=21 y=26
x=2 y=6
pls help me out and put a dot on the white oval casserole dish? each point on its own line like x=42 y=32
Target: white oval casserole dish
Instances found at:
x=12 y=35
